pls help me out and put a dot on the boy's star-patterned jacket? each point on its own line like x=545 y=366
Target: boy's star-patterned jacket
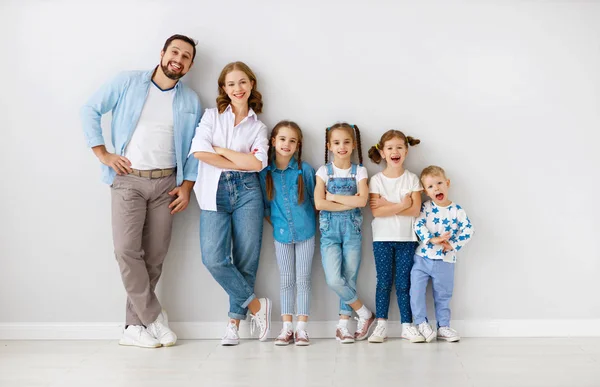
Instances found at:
x=433 y=221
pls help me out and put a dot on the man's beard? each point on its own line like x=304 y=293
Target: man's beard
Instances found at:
x=169 y=73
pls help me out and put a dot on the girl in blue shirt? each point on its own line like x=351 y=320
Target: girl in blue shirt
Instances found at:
x=288 y=186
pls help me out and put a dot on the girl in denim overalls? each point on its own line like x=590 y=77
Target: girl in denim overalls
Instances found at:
x=341 y=190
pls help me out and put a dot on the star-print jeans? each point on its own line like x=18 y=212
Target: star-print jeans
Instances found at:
x=442 y=278
x=393 y=259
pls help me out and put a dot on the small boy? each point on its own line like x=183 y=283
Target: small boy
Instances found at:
x=443 y=228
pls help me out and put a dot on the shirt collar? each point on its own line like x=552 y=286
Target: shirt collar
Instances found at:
x=293 y=164
x=250 y=112
x=150 y=73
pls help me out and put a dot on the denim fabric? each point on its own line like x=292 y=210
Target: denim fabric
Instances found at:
x=341 y=240
x=442 y=278
x=292 y=222
x=230 y=238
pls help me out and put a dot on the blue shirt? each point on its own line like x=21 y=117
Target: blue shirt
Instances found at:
x=125 y=96
x=292 y=222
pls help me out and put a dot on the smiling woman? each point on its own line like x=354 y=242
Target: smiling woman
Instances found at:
x=231 y=146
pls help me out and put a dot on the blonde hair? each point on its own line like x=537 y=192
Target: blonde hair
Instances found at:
x=433 y=170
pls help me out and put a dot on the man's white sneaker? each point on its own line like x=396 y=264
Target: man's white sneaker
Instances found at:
x=138 y=336
x=425 y=330
x=448 y=334
x=231 y=336
x=165 y=336
x=262 y=319
x=411 y=334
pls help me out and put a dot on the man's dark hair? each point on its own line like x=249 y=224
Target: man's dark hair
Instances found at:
x=185 y=39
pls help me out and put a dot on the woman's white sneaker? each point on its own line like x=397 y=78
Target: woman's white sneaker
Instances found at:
x=448 y=334
x=411 y=334
x=425 y=330
x=138 y=336
x=262 y=319
x=231 y=336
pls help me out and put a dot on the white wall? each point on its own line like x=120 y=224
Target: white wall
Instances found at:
x=504 y=94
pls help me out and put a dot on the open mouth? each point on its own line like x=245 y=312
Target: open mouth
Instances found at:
x=439 y=197
x=396 y=159
x=239 y=95
x=176 y=67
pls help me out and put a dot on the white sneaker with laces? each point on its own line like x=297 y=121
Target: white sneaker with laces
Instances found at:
x=262 y=320
x=231 y=336
x=342 y=334
x=138 y=336
x=301 y=338
x=160 y=330
x=448 y=334
x=425 y=330
x=379 y=335
x=411 y=334
x=286 y=337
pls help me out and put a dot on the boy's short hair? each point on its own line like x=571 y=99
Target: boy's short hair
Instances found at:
x=433 y=170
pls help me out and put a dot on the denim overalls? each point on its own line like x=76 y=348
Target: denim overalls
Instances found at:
x=341 y=241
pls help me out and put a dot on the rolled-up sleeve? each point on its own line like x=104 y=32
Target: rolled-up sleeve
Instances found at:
x=260 y=146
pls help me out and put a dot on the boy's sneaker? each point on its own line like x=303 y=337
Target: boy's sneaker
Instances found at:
x=231 y=336
x=301 y=337
x=411 y=334
x=160 y=330
x=285 y=338
x=138 y=336
x=448 y=334
x=342 y=334
x=425 y=330
x=363 y=327
x=379 y=335
x=262 y=319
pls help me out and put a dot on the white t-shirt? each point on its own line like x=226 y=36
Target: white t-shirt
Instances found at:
x=152 y=145
x=395 y=228
x=361 y=173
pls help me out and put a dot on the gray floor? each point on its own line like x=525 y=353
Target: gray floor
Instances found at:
x=472 y=362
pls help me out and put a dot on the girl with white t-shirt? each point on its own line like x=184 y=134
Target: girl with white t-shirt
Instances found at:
x=340 y=192
x=395 y=200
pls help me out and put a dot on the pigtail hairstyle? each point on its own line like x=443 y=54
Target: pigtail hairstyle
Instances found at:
x=358 y=144
x=374 y=154
x=270 y=187
x=350 y=129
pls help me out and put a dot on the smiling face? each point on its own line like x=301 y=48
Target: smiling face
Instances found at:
x=436 y=187
x=176 y=60
x=394 y=152
x=286 y=142
x=238 y=87
x=341 y=144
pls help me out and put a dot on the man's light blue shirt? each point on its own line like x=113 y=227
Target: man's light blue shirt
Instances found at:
x=125 y=96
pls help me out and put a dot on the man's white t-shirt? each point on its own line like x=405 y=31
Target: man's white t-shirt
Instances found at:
x=395 y=228
x=152 y=145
